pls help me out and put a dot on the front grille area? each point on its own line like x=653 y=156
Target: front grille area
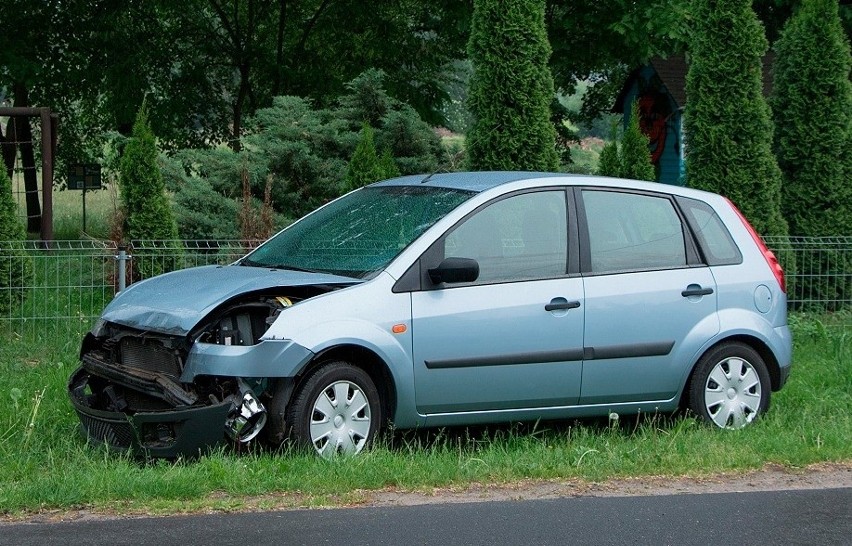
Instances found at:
x=149 y=355
x=118 y=434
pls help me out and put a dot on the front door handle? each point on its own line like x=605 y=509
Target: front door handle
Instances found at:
x=557 y=304
x=696 y=290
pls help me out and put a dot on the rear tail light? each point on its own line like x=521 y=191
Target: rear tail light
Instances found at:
x=774 y=265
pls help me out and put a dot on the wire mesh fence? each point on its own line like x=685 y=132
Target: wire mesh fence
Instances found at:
x=61 y=287
x=818 y=271
x=70 y=282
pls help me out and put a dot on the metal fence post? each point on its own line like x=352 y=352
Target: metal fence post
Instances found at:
x=122 y=266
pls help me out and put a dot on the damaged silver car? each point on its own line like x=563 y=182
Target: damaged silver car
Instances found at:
x=451 y=299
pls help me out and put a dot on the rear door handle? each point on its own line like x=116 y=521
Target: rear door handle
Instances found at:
x=557 y=304
x=696 y=290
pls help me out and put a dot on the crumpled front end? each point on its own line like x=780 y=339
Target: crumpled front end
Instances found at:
x=170 y=395
x=166 y=433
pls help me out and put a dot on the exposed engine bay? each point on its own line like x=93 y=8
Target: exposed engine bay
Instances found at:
x=129 y=392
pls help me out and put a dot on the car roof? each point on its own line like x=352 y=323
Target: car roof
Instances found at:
x=471 y=181
x=481 y=181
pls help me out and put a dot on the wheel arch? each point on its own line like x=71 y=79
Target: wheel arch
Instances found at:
x=755 y=343
x=365 y=359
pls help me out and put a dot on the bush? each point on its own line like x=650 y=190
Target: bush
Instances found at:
x=305 y=152
x=629 y=158
x=365 y=166
x=16 y=268
x=201 y=211
x=609 y=163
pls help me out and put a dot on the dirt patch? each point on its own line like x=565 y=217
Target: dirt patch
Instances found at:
x=769 y=478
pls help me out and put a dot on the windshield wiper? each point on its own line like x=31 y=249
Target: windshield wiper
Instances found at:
x=289 y=267
x=249 y=263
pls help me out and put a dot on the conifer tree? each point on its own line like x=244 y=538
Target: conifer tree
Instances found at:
x=147 y=210
x=727 y=126
x=365 y=166
x=511 y=88
x=608 y=163
x=812 y=107
x=16 y=268
x=635 y=156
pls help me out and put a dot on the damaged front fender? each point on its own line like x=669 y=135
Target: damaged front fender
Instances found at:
x=269 y=358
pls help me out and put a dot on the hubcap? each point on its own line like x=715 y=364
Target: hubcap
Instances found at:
x=341 y=419
x=732 y=394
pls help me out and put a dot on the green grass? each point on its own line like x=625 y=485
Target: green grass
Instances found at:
x=45 y=464
x=68 y=211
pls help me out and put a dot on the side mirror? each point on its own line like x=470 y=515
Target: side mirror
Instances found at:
x=453 y=270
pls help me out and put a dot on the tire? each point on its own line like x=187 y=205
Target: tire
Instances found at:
x=730 y=387
x=337 y=410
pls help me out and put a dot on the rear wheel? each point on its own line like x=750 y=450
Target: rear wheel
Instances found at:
x=337 y=410
x=730 y=387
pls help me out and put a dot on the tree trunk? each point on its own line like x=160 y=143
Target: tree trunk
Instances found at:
x=24 y=137
x=279 y=50
x=9 y=147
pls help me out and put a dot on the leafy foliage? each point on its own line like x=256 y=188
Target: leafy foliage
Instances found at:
x=16 y=268
x=305 y=152
x=511 y=88
x=147 y=211
x=727 y=127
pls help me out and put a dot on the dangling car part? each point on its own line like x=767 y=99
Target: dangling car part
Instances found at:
x=180 y=391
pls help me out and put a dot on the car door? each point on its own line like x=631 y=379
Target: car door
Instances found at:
x=650 y=304
x=513 y=338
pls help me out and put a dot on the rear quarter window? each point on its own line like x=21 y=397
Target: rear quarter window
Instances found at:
x=714 y=239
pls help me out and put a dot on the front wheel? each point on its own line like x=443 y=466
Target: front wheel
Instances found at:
x=730 y=387
x=336 y=411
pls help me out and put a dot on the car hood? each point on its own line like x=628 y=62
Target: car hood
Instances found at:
x=175 y=302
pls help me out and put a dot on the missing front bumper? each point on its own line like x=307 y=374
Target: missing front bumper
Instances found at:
x=168 y=433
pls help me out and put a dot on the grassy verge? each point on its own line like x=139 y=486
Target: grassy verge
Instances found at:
x=44 y=463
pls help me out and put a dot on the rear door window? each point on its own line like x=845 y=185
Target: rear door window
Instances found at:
x=630 y=232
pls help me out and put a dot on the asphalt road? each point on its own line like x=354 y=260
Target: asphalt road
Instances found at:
x=775 y=517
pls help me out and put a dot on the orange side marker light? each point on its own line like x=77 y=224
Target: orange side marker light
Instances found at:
x=399 y=328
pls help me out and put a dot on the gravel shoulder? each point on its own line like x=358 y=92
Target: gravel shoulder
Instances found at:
x=769 y=478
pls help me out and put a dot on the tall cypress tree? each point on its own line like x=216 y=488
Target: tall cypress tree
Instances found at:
x=812 y=106
x=727 y=124
x=511 y=88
